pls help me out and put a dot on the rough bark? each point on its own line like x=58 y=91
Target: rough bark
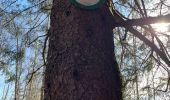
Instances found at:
x=80 y=62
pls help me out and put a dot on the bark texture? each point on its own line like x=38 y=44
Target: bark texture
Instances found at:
x=81 y=63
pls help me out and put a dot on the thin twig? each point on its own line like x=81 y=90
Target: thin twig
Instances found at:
x=36 y=39
x=32 y=74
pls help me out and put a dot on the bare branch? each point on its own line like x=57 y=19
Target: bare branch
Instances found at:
x=150 y=44
x=144 y=21
x=36 y=39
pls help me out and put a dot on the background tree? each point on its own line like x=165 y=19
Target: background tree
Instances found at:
x=23 y=25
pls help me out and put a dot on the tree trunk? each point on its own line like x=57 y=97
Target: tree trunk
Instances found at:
x=80 y=62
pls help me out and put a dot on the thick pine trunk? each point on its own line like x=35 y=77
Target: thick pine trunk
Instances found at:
x=80 y=62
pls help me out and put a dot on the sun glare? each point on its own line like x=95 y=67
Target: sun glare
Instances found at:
x=161 y=27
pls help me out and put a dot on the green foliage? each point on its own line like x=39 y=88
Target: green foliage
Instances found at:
x=11 y=78
x=149 y=66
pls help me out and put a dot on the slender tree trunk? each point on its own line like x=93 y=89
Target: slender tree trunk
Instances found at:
x=80 y=62
x=6 y=94
x=42 y=91
x=17 y=71
x=136 y=68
